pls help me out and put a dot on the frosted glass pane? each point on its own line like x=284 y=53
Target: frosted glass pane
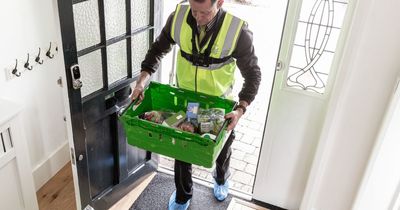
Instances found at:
x=117 y=61
x=140 y=13
x=317 y=35
x=86 y=22
x=91 y=72
x=115 y=18
x=140 y=45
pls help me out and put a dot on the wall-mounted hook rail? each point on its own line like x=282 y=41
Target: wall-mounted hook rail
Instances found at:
x=48 y=53
x=26 y=65
x=15 y=70
x=37 y=59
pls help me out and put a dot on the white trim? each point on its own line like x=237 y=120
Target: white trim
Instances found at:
x=7 y=157
x=70 y=136
x=45 y=170
x=395 y=204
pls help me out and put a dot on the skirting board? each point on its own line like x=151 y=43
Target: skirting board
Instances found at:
x=44 y=171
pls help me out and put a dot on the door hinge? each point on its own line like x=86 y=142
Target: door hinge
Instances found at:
x=73 y=156
x=279 y=65
x=59 y=82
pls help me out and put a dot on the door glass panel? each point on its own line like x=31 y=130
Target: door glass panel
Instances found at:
x=91 y=72
x=140 y=13
x=115 y=18
x=117 y=61
x=140 y=45
x=315 y=43
x=86 y=22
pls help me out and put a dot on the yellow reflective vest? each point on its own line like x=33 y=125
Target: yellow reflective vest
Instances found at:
x=213 y=74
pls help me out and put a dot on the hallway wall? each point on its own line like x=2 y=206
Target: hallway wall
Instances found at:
x=25 y=26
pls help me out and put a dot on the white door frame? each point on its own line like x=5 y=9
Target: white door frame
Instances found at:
x=294 y=175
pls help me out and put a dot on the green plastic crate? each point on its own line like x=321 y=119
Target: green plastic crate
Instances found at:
x=181 y=145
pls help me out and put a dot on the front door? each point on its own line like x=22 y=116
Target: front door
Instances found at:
x=306 y=67
x=104 y=42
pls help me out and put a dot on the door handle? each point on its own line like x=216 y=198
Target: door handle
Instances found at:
x=76 y=76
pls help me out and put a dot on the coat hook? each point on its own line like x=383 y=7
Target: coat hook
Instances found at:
x=15 y=70
x=48 y=52
x=37 y=59
x=26 y=65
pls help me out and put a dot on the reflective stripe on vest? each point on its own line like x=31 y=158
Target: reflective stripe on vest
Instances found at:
x=217 y=79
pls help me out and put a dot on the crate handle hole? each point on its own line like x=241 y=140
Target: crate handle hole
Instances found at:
x=150 y=134
x=160 y=137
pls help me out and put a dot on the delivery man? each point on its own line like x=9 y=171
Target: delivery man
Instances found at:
x=212 y=43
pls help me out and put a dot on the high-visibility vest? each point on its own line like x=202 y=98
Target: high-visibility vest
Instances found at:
x=217 y=78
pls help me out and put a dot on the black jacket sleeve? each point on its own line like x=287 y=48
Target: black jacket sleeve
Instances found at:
x=247 y=63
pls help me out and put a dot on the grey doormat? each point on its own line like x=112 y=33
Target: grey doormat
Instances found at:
x=157 y=193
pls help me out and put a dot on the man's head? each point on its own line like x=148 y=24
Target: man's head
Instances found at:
x=205 y=10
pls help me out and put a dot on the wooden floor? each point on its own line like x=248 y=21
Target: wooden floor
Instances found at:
x=58 y=192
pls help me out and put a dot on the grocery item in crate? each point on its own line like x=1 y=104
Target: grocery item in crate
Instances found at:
x=192 y=110
x=155 y=116
x=175 y=119
x=211 y=120
x=209 y=136
x=187 y=126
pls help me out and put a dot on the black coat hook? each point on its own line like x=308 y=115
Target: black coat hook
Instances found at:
x=48 y=53
x=26 y=65
x=15 y=70
x=37 y=59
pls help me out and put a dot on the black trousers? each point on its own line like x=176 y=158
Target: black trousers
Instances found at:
x=183 y=172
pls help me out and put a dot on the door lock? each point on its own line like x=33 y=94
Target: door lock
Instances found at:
x=76 y=76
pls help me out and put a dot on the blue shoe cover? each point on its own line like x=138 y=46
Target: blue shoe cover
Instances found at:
x=173 y=205
x=221 y=191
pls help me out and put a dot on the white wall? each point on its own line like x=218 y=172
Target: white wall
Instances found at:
x=381 y=182
x=362 y=91
x=25 y=26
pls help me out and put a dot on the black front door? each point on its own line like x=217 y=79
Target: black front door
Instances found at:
x=104 y=42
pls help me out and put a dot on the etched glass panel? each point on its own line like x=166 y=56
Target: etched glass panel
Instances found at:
x=117 y=61
x=140 y=13
x=315 y=43
x=91 y=72
x=115 y=18
x=140 y=45
x=86 y=22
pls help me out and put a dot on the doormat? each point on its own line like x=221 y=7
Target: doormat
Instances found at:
x=157 y=193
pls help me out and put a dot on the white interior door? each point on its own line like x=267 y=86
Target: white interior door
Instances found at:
x=298 y=103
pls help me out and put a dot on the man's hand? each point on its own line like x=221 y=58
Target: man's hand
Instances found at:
x=137 y=92
x=234 y=117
